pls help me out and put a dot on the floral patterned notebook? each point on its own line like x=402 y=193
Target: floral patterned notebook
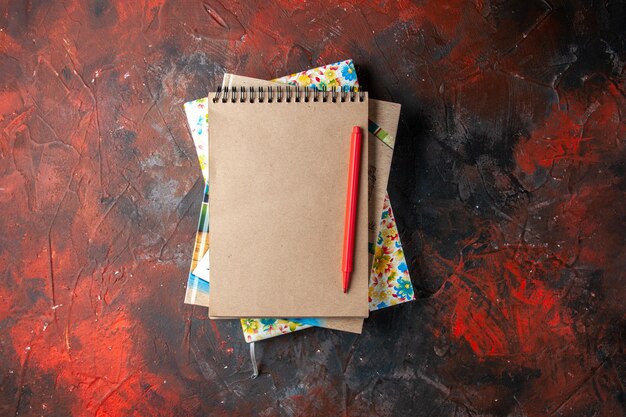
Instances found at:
x=390 y=283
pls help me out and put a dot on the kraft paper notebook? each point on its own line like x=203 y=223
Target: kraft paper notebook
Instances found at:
x=278 y=164
x=273 y=326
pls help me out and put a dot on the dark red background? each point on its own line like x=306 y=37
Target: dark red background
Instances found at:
x=507 y=183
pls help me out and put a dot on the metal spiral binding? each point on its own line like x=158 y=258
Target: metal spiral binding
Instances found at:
x=287 y=94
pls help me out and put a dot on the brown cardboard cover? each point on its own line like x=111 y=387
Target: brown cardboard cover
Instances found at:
x=278 y=174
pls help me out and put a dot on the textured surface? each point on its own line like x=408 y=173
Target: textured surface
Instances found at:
x=507 y=183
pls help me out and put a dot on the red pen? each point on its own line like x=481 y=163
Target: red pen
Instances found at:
x=351 y=203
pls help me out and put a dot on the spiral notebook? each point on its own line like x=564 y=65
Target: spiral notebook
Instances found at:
x=278 y=161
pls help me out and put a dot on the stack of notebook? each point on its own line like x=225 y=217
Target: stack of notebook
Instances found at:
x=274 y=155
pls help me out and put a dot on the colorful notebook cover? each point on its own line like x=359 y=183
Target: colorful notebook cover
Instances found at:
x=390 y=282
x=197 y=118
